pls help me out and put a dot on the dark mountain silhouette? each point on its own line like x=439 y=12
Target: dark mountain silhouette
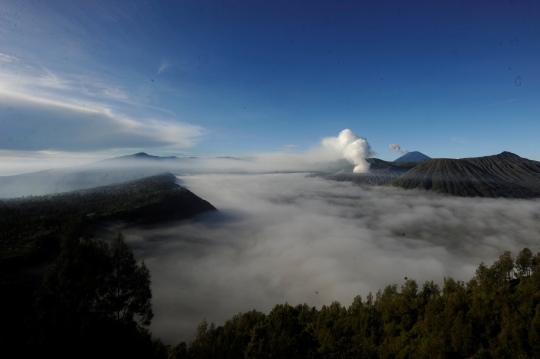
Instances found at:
x=138 y=157
x=503 y=175
x=413 y=156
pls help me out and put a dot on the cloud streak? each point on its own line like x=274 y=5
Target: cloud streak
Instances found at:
x=284 y=237
x=7 y=58
x=50 y=112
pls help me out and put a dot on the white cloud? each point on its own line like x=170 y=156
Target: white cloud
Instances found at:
x=43 y=124
x=7 y=58
x=281 y=238
x=164 y=66
x=56 y=112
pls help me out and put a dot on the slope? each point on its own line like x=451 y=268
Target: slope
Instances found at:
x=503 y=175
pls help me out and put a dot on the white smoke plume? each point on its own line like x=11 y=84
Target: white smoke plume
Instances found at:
x=398 y=149
x=354 y=149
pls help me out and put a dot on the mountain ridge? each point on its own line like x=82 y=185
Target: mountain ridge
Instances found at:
x=503 y=175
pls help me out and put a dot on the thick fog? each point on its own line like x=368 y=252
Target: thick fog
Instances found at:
x=287 y=238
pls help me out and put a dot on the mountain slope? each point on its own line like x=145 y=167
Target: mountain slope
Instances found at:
x=511 y=168
x=26 y=220
x=413 y=156
x=104 y=173
x=503 y=175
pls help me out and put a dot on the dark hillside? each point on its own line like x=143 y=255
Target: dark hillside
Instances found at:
x=28 y=224
x=504 y=175
x=510 y=167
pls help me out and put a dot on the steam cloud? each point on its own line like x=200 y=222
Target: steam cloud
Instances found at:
x=355 y=149
x=284 y=237
x=398 y=149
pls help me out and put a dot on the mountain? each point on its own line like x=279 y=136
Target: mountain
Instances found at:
x=502 y=175
x=381 y=172
x=139 y=157
x=413 y=156
x=103 y=173
x=29 y=224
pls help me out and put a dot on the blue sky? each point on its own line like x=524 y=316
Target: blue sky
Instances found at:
x=91 y=79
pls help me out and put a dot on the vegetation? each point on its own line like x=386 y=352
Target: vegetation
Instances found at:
x=495 y=315
x=69 y=295
x=32 y=223
x=94 y=301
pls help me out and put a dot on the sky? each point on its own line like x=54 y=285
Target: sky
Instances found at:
x=87 y=80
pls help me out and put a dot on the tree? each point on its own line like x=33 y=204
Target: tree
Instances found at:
x=97 y=298
x=128 y=286
x=524 y=263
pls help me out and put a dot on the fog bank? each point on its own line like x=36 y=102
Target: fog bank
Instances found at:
x=286 y=238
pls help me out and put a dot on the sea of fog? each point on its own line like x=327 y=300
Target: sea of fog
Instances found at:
x=286 y=238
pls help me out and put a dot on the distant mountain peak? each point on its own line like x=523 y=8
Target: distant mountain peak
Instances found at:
x=508 y=154
x=414 y=156
x=139 y=156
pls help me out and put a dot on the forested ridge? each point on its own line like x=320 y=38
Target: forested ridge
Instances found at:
x=31 y=222
x=494 y=315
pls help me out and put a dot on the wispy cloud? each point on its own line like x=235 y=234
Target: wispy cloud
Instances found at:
x=7 y=58
x=288 y=148
x=65 y=112
x=164 y=66
x=51 y=80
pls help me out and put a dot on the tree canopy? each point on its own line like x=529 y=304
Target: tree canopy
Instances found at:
x=97 y=298
x=494 y=315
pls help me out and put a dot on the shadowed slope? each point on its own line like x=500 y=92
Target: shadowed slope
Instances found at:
x=512 y=168
x=503 y=175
